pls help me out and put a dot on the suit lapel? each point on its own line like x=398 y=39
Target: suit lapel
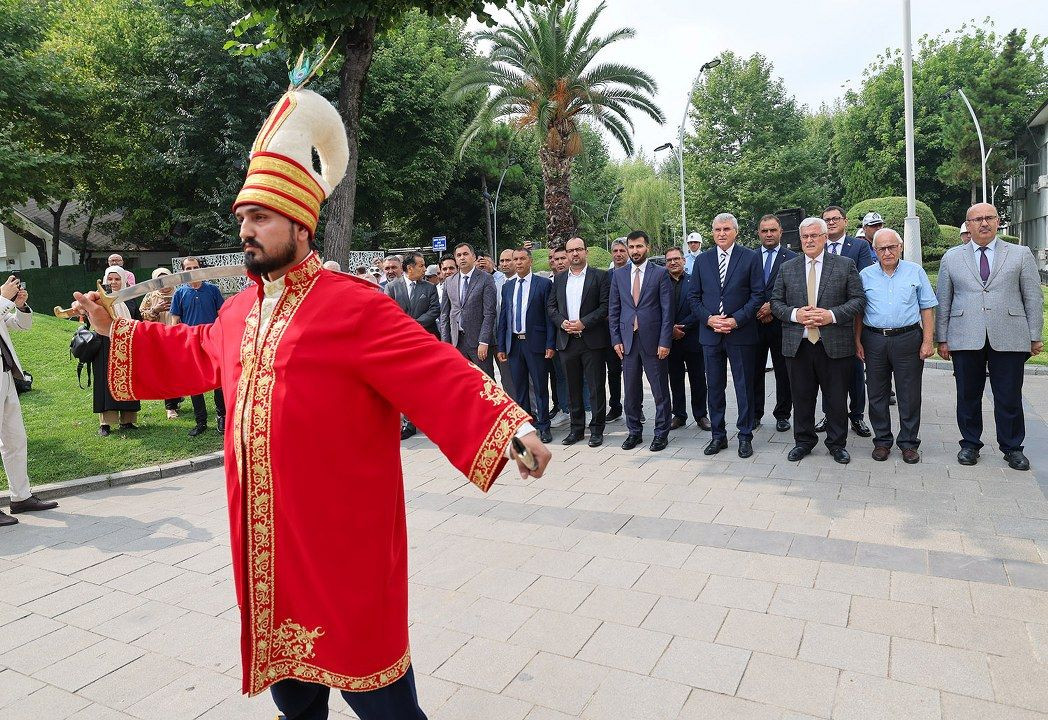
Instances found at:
x=1000 y=255
x=733 y=262
x=827 y=273
x=969 y=260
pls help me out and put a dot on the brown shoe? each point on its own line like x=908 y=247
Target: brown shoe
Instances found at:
x=910 y=456
x=31 y=504
x=678 y=423
x=6 y=519
x=881 y=453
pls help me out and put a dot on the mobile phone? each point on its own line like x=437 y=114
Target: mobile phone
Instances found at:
x=21 y=285
x=524 y=455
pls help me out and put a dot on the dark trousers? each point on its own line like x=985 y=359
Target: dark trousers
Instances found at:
x=635 y=364
x=897 y=356
x=769 y=339
x=1006 y=382
x=741 y=358
x=200 y=407
x=812 y=370
x=173 y=403
x=583 y=367
x=470 y=353
x=299 y=700
x=856 y=384
x=525 y=366
x=506 y=376
x=615 y=380
x=688 y=362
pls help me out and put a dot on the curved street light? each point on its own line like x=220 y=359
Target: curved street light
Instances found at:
x=983 y=155
x=607 y=236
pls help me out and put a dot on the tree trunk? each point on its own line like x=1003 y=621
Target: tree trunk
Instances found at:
x=358 y=47
x=56 y=235
x=487 y=208
x=83 y=239
x=561 y=224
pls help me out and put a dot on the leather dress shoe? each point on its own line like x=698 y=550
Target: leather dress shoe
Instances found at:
x=613 y=414
x=198 y=430
x=104 y=430
x=631 y=442
x=704 y=423
x=32 y=504
x=545 y=436
x=745 y=449
x=715 y=446
x=881 y=453
x=782 y=425
x=221 y=423
x=572 y=438
x=968 y=456
x=678 y=423
x=861 y=428
x=596 y=439
x=1015 y=459
x=841 y=455
x=407 y=431
x=659 y=443
x=910 y=456
x=128 y=426
x=820 y=426
x=6 y=519
x=798 y=453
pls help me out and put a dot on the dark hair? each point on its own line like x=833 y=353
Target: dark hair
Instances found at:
x=447 y=258
x=194 y=258
x=673 y=249
x=517 y=250
x=395 y=258
x=771 y=216
x=838 y=208
x=483 y=253
x=411 y=257
x=466 y=245
x=639 y=234
x=557 y=250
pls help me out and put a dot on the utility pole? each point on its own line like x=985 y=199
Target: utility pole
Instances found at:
x=911 y=242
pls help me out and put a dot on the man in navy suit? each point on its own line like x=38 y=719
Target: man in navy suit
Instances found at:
x=640 y=313
x=727 y=289
x=769 y=330
x=686 y=353
x=839 y=243
x=525 y=338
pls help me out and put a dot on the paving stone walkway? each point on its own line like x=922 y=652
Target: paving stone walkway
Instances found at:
x=622 y=585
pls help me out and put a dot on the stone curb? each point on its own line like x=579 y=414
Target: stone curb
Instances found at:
x=51 y=491
x=1028 y=369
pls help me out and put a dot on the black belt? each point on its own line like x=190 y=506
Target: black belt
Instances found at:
x=889 y=332
x=519 y=336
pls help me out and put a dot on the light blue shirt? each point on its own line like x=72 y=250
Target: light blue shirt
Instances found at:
x=991 y=248
x=896 y=300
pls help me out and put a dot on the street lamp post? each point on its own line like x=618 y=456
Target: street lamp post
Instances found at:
x=912 y=225
x=607 y=236
x=982 y=146
x=495 y=210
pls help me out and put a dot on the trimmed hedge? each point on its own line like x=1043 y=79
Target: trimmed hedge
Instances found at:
x=893 y=210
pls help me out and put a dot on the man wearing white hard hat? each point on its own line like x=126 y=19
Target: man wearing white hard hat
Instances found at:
x=692 y=248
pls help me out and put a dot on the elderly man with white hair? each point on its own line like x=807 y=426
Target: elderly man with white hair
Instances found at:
x=894 y=339
x=118 y=260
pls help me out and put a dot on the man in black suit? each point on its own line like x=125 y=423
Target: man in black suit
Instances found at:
x=817 y=297
x=578 y=308
x=686 y=352
x=769 y=330
x=619 y=258
x=727 y=289
x=526 y=337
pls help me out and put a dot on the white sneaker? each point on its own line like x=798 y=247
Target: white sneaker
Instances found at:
x=172 y=414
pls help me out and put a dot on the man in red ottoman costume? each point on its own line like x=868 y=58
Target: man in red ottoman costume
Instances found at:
x=314 y=364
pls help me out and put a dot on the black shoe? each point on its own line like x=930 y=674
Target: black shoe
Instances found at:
x=820 y=426
x=631 y=442
x=798 y=453
x=407 y=431
x=545 y=436
x=1016 y=461
x=103 y=430
x=715 y=446
x=596 y=439
x=198 y=430
x=678 y=423
x=841 y=455
x=128 y=426
x=782 y=425
x=745 y=448
x=861 y=428
x=968 y=456
x=6 y=519
x=704 y=423
x=756 y=425
x=553 y=411
x=32 y=504
x=659 y=443
x=572 y=438
x=221 y=423
x=613 y=414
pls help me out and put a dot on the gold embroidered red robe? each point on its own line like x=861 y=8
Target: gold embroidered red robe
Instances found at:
x=316 y=498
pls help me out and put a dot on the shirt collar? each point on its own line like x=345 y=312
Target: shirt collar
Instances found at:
x=722 y=251
x=991 y=246
x=572 y=273
x=302 y=273
x=772 y=249
x=526 y=278
x=818 y=258
x=642 y=267
x=273 y=288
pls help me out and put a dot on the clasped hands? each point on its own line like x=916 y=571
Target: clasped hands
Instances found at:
x=722 y=323
x=573 y=326
x=812 y=317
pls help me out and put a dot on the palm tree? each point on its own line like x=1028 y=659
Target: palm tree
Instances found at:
x=542 y=73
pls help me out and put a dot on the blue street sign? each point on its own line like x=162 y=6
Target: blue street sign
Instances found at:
x=440 y=243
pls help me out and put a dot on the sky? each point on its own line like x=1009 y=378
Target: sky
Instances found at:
x=819 y=47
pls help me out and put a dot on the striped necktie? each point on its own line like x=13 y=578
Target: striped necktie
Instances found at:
x=723 y=267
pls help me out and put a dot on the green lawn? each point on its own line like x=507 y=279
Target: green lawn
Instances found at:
x=63 y=439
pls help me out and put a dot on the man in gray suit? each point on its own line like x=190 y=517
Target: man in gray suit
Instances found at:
x=416 y=296
x=991 y=317
x=467 y=314
x=817 y=297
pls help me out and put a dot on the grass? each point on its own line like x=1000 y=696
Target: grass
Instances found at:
x=63 y=432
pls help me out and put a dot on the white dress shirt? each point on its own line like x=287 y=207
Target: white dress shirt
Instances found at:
x=519 y=323
x=818 y=283
x=634 y=269
x=727 y=260
x=840 y=247
x=573 y=290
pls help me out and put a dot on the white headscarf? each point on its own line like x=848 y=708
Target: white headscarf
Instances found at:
x=119 y=308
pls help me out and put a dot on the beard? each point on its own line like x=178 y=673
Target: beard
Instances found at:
x=262 y=263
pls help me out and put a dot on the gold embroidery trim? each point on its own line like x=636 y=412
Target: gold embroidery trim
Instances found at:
x=284 y=669
x=295 y=641
x=120 y=358
x=492 y=450
x=291 y=172
x=491 y=391
x=277 y=202
x=306 y=270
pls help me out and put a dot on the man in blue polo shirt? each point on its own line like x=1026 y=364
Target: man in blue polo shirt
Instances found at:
x=198 y=304
x=895 y=339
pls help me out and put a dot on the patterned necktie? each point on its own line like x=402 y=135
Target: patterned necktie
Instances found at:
x=769 y=258
x=636 y=294
x=984 y=265
x=834 y=248
x=813 y=333
x=723 y=273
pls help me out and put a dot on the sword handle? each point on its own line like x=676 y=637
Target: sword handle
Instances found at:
x=104 y=299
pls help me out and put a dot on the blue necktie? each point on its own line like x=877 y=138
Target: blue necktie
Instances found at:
x=833 y=248
x=520 y=297
x=769 y=258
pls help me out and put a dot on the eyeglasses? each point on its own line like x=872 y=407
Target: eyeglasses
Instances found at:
x=833 y=219
x=575 y=250
x=674 y=260
x=985 y=219
x=893 y=249
x=812 y=237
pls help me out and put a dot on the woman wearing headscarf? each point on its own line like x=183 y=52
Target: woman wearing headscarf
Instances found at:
x=156 y=307
x=109 y=410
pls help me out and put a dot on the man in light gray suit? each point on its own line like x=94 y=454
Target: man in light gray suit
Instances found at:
x=991 y=317
x=467 y=313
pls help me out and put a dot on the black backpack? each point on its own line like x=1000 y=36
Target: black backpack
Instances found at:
x=84 y=348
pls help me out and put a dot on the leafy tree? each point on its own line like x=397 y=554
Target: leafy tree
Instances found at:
x=544 y=75
x=649 y=202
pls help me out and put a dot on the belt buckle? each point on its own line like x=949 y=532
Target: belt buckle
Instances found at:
x=886 y=332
